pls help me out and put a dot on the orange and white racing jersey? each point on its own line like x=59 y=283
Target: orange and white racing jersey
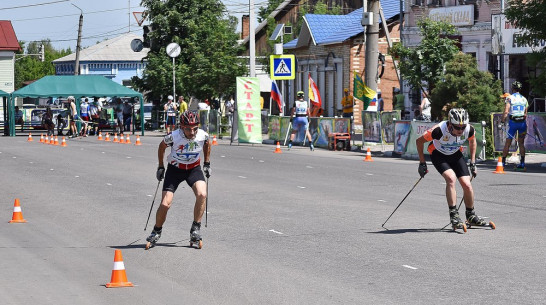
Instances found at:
x=444 y=141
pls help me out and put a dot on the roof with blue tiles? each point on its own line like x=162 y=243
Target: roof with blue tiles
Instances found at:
x=332 y=29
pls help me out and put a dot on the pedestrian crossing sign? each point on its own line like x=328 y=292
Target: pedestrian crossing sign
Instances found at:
x=283 y=66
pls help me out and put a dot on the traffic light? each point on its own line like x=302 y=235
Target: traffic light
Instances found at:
x=42 y=53
x=146 y=39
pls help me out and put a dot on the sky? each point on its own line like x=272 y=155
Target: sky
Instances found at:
x=57 y=20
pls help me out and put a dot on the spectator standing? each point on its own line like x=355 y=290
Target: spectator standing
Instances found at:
x=425 y=107
x=230 y=109
x=347 y=103
x=84 y=112
x=61 y=121
x=183 y=106
x=380 y=102
x=47 y=121
x=119 y=117
x=94 y=114
x=170 y=109
x=127 y=115
x=73 y=116
x=19 y=117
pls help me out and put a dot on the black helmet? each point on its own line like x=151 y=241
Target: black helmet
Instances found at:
x=517 y=85
x=458 y=116
x=300 y=94
x=189 y=118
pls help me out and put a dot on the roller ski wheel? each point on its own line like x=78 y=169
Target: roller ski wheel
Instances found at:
x=198 y=244
x=149 y=245
x=478 y=221
x=152 y=240
x=461 y=225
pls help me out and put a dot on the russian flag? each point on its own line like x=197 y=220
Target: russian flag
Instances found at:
x=276 y=94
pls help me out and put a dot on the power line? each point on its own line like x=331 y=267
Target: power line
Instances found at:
x=31 y=5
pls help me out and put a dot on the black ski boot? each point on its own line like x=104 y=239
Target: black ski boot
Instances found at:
x=195 y=235
x=153 y=238
x=474 y=220
x=456 y=222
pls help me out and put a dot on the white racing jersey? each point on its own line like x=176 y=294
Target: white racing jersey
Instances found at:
x=517 y=103
x=185 y=153
x=301 y=108
x=444 y=141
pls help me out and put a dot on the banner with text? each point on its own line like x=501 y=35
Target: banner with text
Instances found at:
x=248 y=110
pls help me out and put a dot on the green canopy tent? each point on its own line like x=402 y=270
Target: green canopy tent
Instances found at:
x=77 y=86
x=5 y=104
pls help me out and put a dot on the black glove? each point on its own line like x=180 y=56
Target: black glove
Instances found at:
x=160 y=174
x=473 y=169
x=422 y=169
x=206 y=169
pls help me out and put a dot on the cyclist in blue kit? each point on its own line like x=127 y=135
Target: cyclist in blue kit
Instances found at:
x=516 y=111
x=300 y=114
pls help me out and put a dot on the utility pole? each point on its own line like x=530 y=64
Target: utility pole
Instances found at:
x=78 y=45
x=251 y=40
x=372 y=49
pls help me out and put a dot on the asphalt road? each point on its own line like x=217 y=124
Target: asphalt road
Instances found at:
x=299 y=227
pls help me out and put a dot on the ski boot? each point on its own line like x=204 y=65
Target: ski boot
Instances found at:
x=474 y=220
x=456 y=222
x=521 y=168
x=195 y=235
x=311 y=147
x=152 y=239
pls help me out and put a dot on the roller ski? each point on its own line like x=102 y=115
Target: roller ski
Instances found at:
x=195 y=235
x=152 y=239
x=477 y=221
x=520 y=168
x=456 y=222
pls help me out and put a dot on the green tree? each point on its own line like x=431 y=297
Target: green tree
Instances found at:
x=424 y=65
x=531 y=16
x=467 y=87
x=30 y=67
x=208 y=63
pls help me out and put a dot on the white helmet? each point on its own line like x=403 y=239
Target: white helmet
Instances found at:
x=458 y=116
x=170 y=97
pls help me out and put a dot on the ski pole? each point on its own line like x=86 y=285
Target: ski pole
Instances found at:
x=383 y=225
x=460 y=203
x=287 y=132
x=207 y=202
x=150 y=213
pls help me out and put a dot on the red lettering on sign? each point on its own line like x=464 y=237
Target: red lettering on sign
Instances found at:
x=249 y=116
x=249 y=127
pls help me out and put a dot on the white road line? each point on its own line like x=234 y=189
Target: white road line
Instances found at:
x=368 y=174
x=409 y=267
x=261 y=161
x=301 y=187
x=381 y=200
x=103 y=152
x=276 y=232
x=76 y=176
x=108 y=183
x=309 y=166
x=222 y=156
x=242 y=177
x=51 y=169
x=128 y=157
x=14 y=157
x=149 y=195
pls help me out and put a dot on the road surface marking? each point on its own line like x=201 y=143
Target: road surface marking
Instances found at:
x=76 y=176
x=301 y=187
x=128 y=157
x=149 y=195
x=51 y=169
x=261 y=161
x=409 y=267
x=368 y=174
x=309 y=166
x=108 y=183
x=242 y=177
x=276 y=232
x=381 y=200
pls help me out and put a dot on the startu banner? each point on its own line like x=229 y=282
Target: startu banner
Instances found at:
x=248 y=110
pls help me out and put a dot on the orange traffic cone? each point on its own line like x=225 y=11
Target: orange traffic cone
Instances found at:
x=121 y=139
x=500 y=168
x=56 y=141
x=214 y=142
x=17 y=213
x=63 y=143
x=30 y=137
x=138 y=140
x=368 y=156
x=42 y=138
x=278 y=149
x=128 y=140
x=100 y=136
x=107 y=138
x=119 y=278
x=115 y=138
x=46 y=141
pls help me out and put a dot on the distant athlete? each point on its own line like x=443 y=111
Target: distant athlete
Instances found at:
x=300 y=114
x=184 y=164
x=516 y=110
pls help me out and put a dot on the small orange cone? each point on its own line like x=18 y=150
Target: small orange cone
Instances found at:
x=128 y=140
x=500 y=168
x=46 y=141
x=368 y=156
x=119 y=278
x=115 y=138
x=107 y=138
x=121 y=139
x=17 y=213
x=63 y=143
x=138 y=140
x=30 y=137
x=56 y=141
x=42 y=138
x=100 y=136
x=278 y=149
x=214 y=142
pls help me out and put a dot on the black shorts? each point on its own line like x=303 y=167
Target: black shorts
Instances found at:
x=455 y=162
x=174 y=176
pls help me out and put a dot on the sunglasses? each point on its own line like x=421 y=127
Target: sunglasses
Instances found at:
x=459 y=127
x=188 y=129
